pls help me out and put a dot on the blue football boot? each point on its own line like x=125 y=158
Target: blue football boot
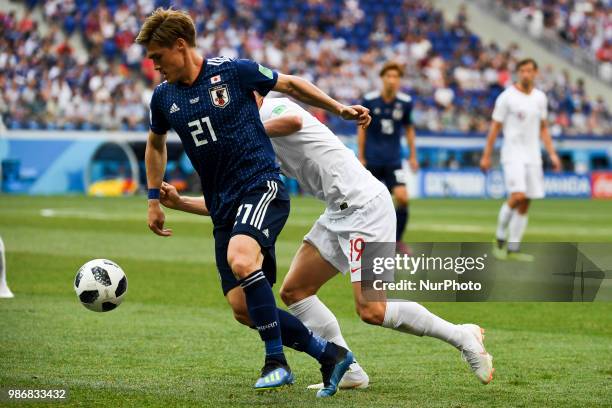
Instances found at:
x=332 y=373
x=274 y=374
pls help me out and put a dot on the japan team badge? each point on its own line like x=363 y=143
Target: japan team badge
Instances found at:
x=219 y=96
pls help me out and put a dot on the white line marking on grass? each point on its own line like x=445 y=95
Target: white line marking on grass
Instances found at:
x=565 y=232
x=107 y=215
x=562 y=230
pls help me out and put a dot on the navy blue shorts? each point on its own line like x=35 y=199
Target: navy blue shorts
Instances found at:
x=390 y=175
x=262 y=213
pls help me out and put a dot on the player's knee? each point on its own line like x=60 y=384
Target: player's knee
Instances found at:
x=242 y=264
x=519 y=198
x=288 y=295
x=371 y=313
x=400 y=198
x=401 y=202
x=291 y=294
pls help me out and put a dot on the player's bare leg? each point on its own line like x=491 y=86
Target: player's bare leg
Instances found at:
x=400 y=201
x=308 y=272
x=5 y=292
x=334 y=359
x=506 y=212
x=410 y=317
x=245 y=259
x=516 y=229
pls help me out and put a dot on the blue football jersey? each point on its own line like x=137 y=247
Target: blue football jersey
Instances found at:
x=384 y=134
x=218 y=122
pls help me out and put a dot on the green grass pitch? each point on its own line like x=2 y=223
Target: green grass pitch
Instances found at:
x=173 y=341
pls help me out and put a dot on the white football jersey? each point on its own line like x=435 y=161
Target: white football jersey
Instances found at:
x=320 y=162
x=521 y=116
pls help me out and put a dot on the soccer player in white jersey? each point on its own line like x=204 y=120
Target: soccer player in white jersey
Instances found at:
x=521 y=111
x=5 y=292
x=359 y=209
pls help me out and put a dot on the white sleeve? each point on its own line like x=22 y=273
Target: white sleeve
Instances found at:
x=265 y=111
x=544 y=107
x=274 y=109
x=501 y=108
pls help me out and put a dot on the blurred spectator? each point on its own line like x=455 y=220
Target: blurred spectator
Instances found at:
x=583 y=24
x=452 y=76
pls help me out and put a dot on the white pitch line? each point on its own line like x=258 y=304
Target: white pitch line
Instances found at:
x=568 y=232
x=103 y=215
x=452 y=228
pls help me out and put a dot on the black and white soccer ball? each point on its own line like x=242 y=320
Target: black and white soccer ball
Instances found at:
x=100 y=285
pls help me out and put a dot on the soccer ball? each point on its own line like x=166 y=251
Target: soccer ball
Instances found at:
x=100 y=285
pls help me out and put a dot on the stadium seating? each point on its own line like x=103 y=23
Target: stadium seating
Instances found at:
x=453 y=77
x=586 y=24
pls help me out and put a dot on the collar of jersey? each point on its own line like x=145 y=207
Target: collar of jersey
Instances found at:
x=200 y=75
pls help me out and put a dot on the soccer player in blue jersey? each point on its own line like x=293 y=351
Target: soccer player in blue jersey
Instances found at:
x=379 y=144
x=211 y=106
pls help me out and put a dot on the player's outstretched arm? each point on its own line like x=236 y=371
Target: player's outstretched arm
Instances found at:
x=548 y=145
x=155 y=163
x=283 y=125
x=485 y=161
x=170 y=198
x=306 y=92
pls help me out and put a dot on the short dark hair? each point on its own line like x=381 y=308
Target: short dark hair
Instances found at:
x=527 y=61
x=389 y=65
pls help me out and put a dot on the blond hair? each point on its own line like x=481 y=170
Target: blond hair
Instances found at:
x=165 y=26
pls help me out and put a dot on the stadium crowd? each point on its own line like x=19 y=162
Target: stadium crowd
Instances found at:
x=585 y=24
x=452 y=76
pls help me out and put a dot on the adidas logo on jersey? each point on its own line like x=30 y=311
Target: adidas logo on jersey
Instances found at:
x=174 y=108
x=266 y=233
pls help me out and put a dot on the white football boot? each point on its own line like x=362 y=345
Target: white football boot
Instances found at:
x=355 y=377
x=473 y=351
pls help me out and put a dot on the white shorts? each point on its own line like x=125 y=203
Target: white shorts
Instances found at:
x=340 y=239
x=524 y=178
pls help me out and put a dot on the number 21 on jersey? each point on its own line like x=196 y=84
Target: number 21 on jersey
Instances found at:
x=198 y=130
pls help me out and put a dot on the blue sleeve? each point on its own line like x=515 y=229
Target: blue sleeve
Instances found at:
x=407 y=119
x=157 y=120
x=256 y=77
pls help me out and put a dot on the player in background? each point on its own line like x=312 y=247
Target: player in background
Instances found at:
x=521 y=111
x=359 y=209
x=211 y=106
x=5 y=292
x=379 y=145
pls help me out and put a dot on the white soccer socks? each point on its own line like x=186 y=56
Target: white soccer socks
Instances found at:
x=517 y=227
x=5 y=292
x=318 y=318
x=411 y=317
x=503 y=219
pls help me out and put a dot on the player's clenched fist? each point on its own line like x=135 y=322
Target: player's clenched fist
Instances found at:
x=156 y=219
x=169 y=196
x=357 y=112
